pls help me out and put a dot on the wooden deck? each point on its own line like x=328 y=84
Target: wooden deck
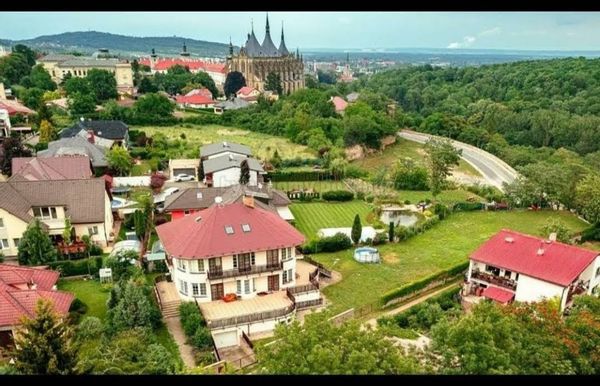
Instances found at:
x=303 y=268
x=219 y=309
x=167 y=292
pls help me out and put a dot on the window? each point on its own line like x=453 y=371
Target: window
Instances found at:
x=247 y=286
x=235 y=265
x=284 y=277
x=238 y=288
x=181 y=265
x=253 y=284
x=283 y=254
x=183 y=287
x=16 y=242
x=507 y=273
x=289 y=252
x=44 y=212
x=287 y=276
x=598 y=272
x=229 y=230
x=1 y=222
x=93 y=230
x=4 y=243
x=202 y=289
x=246 y=227
x=493 y=270
x=253 y=259
x=186 y=212
x=200 y=265
x=195 y=291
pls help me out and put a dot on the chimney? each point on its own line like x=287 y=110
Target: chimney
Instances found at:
x=552 y=236
x=219 y=201
x=225 y=144
x=248 y=201
x=509 y=240
x=91 y=138
x=540 y=250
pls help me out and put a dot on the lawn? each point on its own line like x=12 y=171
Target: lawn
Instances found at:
x=319 y=186
x=448 y=243
x=404 y=148
x=262 y=145
x=446 y=196
x=312 y=216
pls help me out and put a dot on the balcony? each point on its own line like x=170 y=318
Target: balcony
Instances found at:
x=254 y=269
x=496 y=280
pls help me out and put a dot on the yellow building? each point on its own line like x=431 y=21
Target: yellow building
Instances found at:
x=59 y=65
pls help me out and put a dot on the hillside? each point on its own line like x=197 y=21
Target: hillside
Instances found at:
x=91 y=41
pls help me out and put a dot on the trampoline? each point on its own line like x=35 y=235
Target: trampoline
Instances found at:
x=366 y=255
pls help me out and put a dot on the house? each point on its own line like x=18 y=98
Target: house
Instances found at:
x=200 y=91
x=20 y=289
x=217 y=71
x=196 y=101
x=352 y=97
x=248 y=94
x=223 y=148
x=234 y=104
x=84 y=201
x=55 y=168
x=512 y=266
x=340 y=104
x=187 y=166
x=102 y=133
x=77 y=146
x=190 y=201
x=227 y=169
x=239 y=251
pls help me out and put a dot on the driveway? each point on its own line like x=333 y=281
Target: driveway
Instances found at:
x=493 y=169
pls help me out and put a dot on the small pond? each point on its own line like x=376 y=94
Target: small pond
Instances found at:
x=399 y=218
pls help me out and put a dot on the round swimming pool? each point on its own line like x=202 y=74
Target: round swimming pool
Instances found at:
x=366 y=255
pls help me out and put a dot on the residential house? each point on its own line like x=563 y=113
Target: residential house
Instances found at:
x=84 y=201
x=196 y=101
x=56 y=168
x=512 y=266
x=223 y=148
x=190 y=201
x=340 y=104
x=248 y=94
x=77 y=146
x=200 y=91
x=233 y=104
x=20 y=290
x=227 y=169
x=102 y=133
x=187 y=166
x=237 y=249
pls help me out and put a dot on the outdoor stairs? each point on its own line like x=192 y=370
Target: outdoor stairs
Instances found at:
x=171 y=309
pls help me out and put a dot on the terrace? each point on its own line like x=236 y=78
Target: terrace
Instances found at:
x=250 y=270
x=496 y=280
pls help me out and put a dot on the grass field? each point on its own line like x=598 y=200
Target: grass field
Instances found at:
x=312 y=216
x=319 y=186
x=401 y=149
x=448 y=243
x=262 y=145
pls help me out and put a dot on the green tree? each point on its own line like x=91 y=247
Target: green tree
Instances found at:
x=44 y=344
x=66 y=235
x=147 y=86
x=441 y=157
x=583 y=320
x=244 y=172
x=103 y=84
x=563 y=233
x=32 y=97
x=154 y=106
x=321 y=347
x=407 y=175
x=27 y=52
x=119 y=160
x=39 y=78
x=10 y=148
x=356 y=229
x=13 y=68
x=203 y=79
x=132 y=310
x=35 y=247
x=233 y=83
x=273 y=83
x=391 y=232
x=587 y=198
x=81 y=104
x=276 y=159
x=47 y=131
x=73 y=85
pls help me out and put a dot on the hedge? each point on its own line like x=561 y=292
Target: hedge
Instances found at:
x=194 y=325
x=338 y=195
x=334 y=243
x=74 y=267
x=468 y=206
x=413 y=287
x=317 y=175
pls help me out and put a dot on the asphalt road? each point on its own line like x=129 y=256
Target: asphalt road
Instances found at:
x=493 y=169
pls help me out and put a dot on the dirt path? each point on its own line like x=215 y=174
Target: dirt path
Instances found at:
x=414 y=302
x=185 y=350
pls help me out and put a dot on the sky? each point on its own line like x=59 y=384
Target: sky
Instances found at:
x=341 y=30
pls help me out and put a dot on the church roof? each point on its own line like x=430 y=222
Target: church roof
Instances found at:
x=268 y=48
x=252 y=45
x=283 y=51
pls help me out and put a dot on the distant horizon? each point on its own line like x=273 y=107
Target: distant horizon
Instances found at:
x=523 y=31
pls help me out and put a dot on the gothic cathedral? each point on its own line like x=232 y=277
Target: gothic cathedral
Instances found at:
x=256 y=61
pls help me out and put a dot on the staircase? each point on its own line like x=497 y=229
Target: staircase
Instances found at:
x=171 y=309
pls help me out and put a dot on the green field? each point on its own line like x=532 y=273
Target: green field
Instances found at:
x=312 y=216
x=319 y=186
x=401 y=149
x=448 y=243
x=262 y=145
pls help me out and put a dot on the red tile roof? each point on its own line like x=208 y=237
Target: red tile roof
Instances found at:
x=559 y=263
x=192 y=64
x=245 y=91
x=13 y=107
x=18 y=298
x=53 y=168
x=200 y=91
x=202 y=235
x=498 y=294
x=196 y=99
x=340 y=104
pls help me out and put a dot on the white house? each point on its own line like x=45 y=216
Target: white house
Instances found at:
x=512 y=266
x=226 y=170
x=214 y=150
x=237 y=252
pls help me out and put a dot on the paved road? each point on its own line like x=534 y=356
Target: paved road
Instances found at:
x=493 y=169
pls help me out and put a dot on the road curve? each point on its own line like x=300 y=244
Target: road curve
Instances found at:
x=493 y=169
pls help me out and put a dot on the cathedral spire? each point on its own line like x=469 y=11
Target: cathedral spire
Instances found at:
x=283 y=51
x=230 y=47
x=267 y=47
x=267 y=29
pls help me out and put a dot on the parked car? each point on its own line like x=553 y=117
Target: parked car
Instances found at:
x=131 y=236
x=183 y=177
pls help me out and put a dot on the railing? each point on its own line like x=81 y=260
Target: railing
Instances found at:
x=246 y=319
x=290 y=295
x=303 y=288
x=309 y=303
x=247 y=340
x=320 y=266
x=497 y=280
x=222 y=274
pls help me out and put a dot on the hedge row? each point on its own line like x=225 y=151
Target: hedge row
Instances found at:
x=194 y=326
x=468 y=206
x=413 y=287
x=337 y=242
x=317 y=175
x=77 y=267
x=338 y=195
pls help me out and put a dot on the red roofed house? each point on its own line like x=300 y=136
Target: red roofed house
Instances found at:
x=340 y=104
x=512 y=266
x=53 y=168
x=20 y=289
x=196 y=101
x=242 y=251
x=200 y=91
x=248 y=94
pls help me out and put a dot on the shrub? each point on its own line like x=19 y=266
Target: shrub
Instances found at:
x=91 y=327
x=334 y=243
x=360 y=195
x=591 y=234
x=204 y=358
x=72 y=267
x=380 y=238
x=202 y=338
x=317 y=175
x=441 y=210
x=406 y=202
x=77 y=310
x=427 y=213
x=353 y=171
x=96 y=250
x=338 y=195
x=369 y=198
x=141 y=153
x=468 y=206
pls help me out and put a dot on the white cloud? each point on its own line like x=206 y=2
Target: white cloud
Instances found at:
x=467 y=42
x=493 y=31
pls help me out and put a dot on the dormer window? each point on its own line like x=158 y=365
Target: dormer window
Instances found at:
x=246 y=228
x=45 y=213
x=229 y=229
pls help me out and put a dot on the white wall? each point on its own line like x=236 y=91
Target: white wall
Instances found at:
x=530 y=289
x=13 y=229
x=131 y=181
x=231 y=176
x=590 y=274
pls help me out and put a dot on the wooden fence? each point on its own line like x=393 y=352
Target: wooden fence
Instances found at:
x=255 y=317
